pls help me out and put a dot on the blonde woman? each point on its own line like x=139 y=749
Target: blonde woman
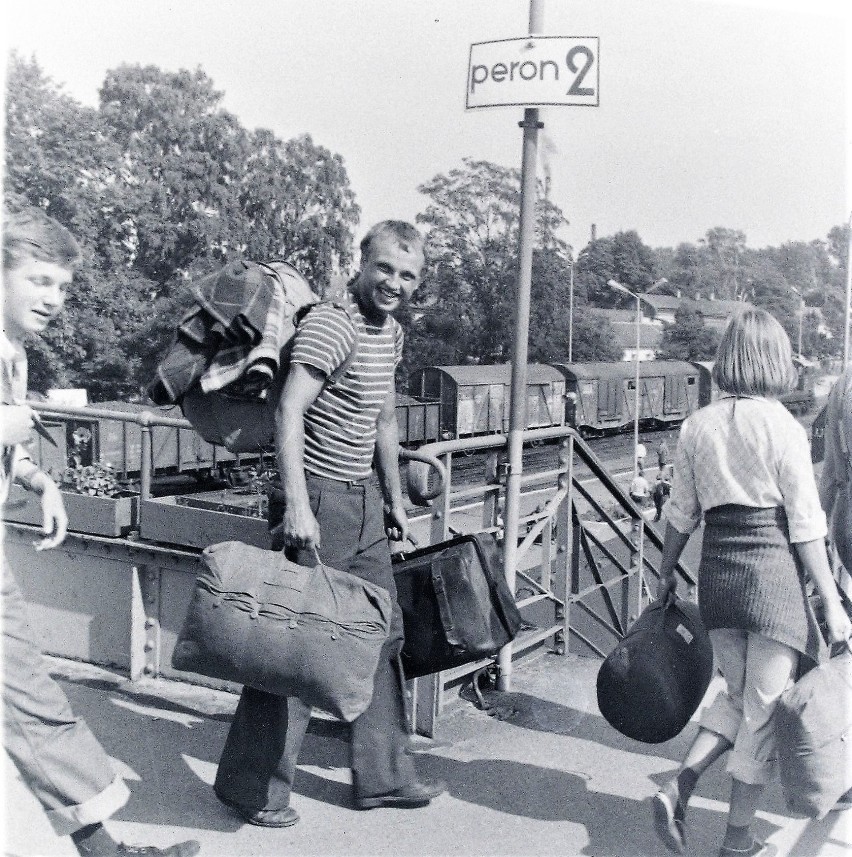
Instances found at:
x=743 y=464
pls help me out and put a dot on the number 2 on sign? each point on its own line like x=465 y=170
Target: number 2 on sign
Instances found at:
x=580 y=70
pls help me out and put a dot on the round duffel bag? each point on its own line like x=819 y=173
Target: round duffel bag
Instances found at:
x=655 y=678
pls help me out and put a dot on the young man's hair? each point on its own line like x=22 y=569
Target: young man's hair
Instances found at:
x=32 y=234
x=754 y=357
x=405 y=234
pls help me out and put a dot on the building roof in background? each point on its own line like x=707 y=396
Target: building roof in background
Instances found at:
x=708 y=308
x=650 y=335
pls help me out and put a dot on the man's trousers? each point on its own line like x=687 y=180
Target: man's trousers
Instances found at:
x=258 y=764
x=58 y=757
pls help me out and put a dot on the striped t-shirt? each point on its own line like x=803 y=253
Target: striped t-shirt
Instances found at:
x=340 y=425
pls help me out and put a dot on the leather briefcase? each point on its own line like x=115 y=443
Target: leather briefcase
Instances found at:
x=456 y=606
x=260 y=620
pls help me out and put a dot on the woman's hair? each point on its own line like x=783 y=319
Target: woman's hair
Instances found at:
x=33 y=234
x=754 y=357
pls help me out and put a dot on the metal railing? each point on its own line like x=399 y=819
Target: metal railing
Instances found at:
x=585 y=558
x=572 y=584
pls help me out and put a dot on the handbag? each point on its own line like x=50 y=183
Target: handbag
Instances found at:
x=456 y=606
x=653 y=681
x=258 y=619
x=813 y=728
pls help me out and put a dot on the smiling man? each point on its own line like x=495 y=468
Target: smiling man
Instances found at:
x=329 y=436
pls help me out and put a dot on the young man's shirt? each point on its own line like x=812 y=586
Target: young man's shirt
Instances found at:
x=15 y=461
x=340 y=425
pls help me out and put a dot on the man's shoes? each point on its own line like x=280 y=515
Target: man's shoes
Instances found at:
x=286 y=817
x=408 y=797
x=180 y=849
x=757 y=849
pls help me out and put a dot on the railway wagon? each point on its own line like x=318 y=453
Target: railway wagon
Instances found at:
x=800 y=400
x=602 y=396
x=418 y=422
x=120 y=444
x=475 y=400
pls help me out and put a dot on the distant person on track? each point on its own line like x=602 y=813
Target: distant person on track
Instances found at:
x=57 y=756
x=328 y=438
x=662 y=490
x=663 y=454
x=743 y=464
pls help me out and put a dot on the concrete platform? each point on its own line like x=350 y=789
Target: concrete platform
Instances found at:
x=550 y=778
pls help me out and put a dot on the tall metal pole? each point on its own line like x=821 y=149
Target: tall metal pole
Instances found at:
x=848 y=292
x=518 y=411
x=571 y=315
x=636 y=405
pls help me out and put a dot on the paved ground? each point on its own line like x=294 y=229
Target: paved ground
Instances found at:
x=553 y=778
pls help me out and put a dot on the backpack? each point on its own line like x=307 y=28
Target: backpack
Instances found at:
x=241 y=417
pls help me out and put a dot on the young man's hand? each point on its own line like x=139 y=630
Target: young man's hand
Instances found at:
x=299 y=527
x=54 y=518
x=396 y=523
x=16 y=424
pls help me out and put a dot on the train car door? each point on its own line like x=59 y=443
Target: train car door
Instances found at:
x=538 y=407
x=653 y=392
x=497 y=410
x=608 y=396
x=675 y=399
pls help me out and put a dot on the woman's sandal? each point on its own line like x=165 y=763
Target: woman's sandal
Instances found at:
x=669 y=821
x=757 y=849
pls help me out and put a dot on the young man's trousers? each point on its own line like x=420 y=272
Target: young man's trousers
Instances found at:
x=258 y=764
x=58 y=757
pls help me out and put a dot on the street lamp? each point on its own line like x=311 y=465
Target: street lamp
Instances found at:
x=619 y=288
x=801 y=316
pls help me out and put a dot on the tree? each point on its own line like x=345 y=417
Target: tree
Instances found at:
x=160 y=185
x=725 y=248
x=622 y=257
x=59 y=156
x=688 y=338
x=471 y=272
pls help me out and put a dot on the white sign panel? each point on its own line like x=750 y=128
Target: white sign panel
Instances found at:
x=535 y=71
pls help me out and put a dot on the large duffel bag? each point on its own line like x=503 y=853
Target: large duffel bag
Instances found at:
x=653 y=681
x=813 y=728
x=456 y=606
x=258 y=619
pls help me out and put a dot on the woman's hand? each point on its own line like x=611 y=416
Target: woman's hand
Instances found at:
x=837 y=623
x=667 y=588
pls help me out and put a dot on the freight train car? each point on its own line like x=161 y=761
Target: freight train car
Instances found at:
x=602 y=396
x=179 y=451
x=798 y=401
x=99 y=439
x=475 y=400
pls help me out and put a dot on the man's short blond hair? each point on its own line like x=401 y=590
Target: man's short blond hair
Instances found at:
x=32 y=234
x=754 y=357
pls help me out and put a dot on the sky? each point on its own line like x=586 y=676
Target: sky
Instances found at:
x=711 y=113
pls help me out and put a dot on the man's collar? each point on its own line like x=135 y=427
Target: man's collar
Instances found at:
x=8 y=349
